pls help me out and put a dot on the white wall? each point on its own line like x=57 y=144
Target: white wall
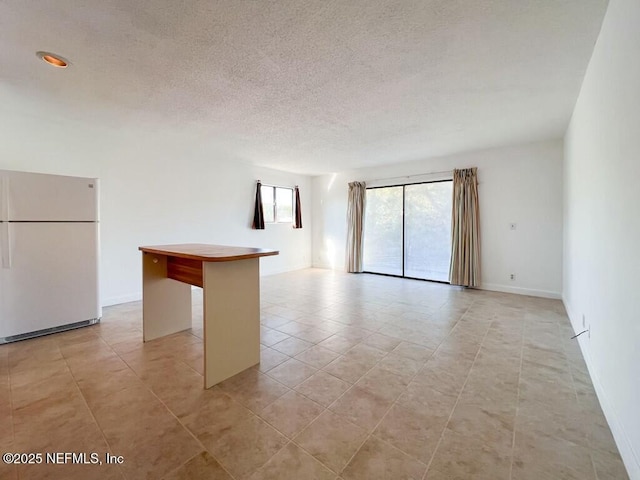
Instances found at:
x=156 y=191
x=520 y=184
x=602 y=223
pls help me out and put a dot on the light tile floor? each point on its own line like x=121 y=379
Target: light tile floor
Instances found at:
x=362 y=377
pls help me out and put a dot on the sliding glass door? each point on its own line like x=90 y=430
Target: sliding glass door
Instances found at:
x=408 y=230
x=427 y=230
x=383 y=230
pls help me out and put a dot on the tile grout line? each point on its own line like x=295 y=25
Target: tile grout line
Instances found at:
x=332 y=403
x=459 y=394
x=13 y=427
x=182 y=465
x=327 y=408
x=252 y=414
x=575 y=390
x=515 y=420
x=166 y=407
x=270 y=458
x=396 y=400
x=464 y=384
x=259 y=416
x=292 y=441
x=84 y=399
x=342 y=395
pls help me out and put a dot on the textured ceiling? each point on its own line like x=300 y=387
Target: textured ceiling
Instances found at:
x=305 y=86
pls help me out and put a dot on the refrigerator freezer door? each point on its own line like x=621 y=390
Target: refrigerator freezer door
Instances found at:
x=36 y=197
x=53 y=279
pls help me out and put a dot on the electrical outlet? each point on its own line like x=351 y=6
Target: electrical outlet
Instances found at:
x=512 y=276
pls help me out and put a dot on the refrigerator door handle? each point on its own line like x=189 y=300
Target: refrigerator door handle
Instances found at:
x=5 y=244
x=5 y=234
x=4 y=199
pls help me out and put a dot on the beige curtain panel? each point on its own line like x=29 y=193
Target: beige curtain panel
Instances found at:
x=465 y=229
x=355 y=226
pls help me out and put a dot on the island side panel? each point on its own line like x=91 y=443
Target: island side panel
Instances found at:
x=166 y=303
x=231 y=318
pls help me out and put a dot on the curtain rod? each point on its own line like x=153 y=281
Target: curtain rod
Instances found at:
x=410 y=176
x=277 y=186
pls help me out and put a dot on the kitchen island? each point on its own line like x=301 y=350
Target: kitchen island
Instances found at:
x=230 y=280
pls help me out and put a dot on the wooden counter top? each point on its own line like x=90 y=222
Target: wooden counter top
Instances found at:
x=208 y=253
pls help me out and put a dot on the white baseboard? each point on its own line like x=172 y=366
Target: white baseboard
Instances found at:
x=131 y=297
x=493 y=287
x=322 y=265
x=134 y=297
x=276 y=271
x=520 y=291
x=629 y=456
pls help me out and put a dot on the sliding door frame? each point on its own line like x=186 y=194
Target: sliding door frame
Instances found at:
x=404 y=185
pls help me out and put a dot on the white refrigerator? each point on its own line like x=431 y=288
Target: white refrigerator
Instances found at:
x=49 y=254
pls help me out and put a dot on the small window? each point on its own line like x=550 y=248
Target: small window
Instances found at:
x=277 y=203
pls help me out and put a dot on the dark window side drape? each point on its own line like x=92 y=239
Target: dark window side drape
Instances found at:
x=258 y=212
x=297 y=222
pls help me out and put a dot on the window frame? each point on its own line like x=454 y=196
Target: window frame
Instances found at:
x=274 y=206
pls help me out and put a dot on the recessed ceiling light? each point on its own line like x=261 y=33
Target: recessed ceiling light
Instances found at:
x=53 y=59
